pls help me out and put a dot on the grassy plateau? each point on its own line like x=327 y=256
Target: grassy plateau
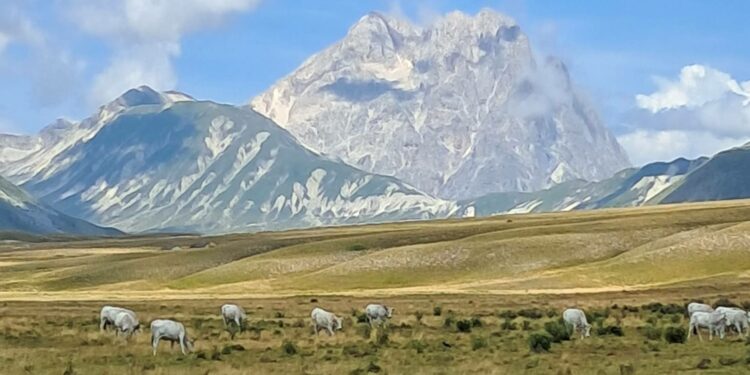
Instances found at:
x=471 y=295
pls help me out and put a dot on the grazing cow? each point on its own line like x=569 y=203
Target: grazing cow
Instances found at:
x=109 y=313
x=169 y=330
x=577 y=319
x=322 y=319
x=694 y=307
x=378 y=313
x=126 y=323
x=737 y=318
x=713 y=321
x=233 y=313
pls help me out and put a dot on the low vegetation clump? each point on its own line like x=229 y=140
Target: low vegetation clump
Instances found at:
x=463 y=326
x=356 y=247
x=558 y=331
x=675 y=335
x=288 y=348
x=478 y=342
x=612 y=330
x=437 y=311
x=540 y=342
x=652 y=332
x=532 y=313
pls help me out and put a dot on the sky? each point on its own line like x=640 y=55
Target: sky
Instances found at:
x=669 y=78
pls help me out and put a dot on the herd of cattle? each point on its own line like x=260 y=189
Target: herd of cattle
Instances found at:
x=126 y=321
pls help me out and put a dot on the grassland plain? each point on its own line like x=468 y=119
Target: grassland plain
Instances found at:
x=474 y=270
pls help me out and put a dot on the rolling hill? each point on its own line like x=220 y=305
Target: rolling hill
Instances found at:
x=153 y=161
x=604 y=250
x=19 y=212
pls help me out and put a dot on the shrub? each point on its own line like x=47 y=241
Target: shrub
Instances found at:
x=558 y=331
x=540 y=342
x=675 y=335
x=508 y=325
x=652 y=332
x=726 y=302
x=609 y=330
x=356 y=247
x=288 y=348
x=508 y=314
x=437 y=311
x=532 y=313
x=478 y=342
x=463 y=326
x=476 y=322
x=361 y=317
x=449 y=321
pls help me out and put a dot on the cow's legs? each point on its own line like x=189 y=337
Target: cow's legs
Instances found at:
x=330 y=330
x=182 y=344
x=155 y=343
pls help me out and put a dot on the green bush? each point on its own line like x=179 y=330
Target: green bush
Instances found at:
x=540 y=342
x=675 y=335
x=652 y=332
x=726 y=302
x=476 y=322
x=478 y=342
x=437 y=311
x=361 y=317
x=288 y=348
x=356 y=247
x=558 y=331
x=364 y=330
x=508 y=325
x=449 y=321
x=609 y=330
x=507 y=314
x=463 y=326
x=532 y=313
x=419 y=315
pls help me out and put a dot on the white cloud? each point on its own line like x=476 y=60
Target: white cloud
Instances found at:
x=702 y=112
x=645 y=146
x=146 y=36
x=696 y=86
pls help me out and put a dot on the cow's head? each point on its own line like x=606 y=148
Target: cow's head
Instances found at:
x=339 y=323
x=389 y=311
x=189 y=343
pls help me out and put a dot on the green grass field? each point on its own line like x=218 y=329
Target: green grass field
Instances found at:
x=471 y=268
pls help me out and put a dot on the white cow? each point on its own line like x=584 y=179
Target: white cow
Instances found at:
x=126 y=323
x=378 y=313
x=737 y=318
x=577 y=319
x=233 y=313
x=694 y=307
x=169 y=330
x=109 y=313
x=322 y=319
x=713 y=321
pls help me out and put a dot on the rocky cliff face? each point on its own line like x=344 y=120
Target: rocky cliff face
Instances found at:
x=458 y=109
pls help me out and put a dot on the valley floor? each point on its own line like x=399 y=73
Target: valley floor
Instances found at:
x=505 y=276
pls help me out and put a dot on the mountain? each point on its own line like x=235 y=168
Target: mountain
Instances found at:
x=459 y=109
x=19 y=212
x=631 y=187
x=164 y=161
x=724 y=176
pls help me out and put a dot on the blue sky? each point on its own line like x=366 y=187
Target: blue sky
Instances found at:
x=63 y=58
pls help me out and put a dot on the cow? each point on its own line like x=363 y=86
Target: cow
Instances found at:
x=576 y=319
x=378 y=313
x=694 y=307
x=108 y=314
x=126 y=323
x=169 y=330
x=713 y=321
x=322 y=319
x=737 y=318
x=233 y=313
